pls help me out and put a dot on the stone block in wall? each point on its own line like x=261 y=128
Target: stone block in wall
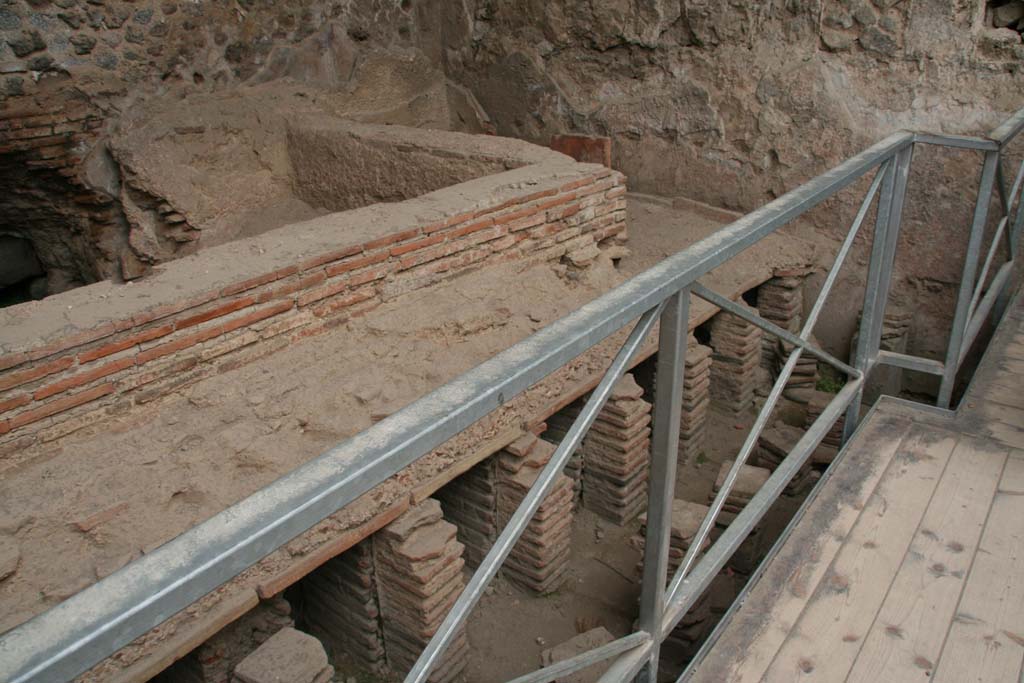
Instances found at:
x=616 y=454
x=736 y=358
x=340 y=607
x=289 y=656
x=419 y=576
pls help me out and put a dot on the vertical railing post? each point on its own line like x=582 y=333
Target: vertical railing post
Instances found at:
x=963 y=300
x=879 y=280
x=668 y=399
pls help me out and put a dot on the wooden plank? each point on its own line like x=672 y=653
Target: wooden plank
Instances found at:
x=1013 y=477
x=986 y=640
x=906 y=639
x=827 y=638
x=1000 y=393
x=1000 y=422
x=758 y=630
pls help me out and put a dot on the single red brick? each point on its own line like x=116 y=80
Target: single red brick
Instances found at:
x=336 y=255
x=296 y=285
x=449 y=222
x=601 y=186
x=504 y=243
x=256 y=316
x=576 y=184
x=528 y=222
x=16 y=402
x=217 y=311
x=418 y=244
x=60 y=405
x=391 y=239
x=472 y=227
x=83 y=378
x=72 y=340
x=10 y=380
x=5 y=426
x=329 y=289
x=126 y=343
x=557 y=201
x=12 y=359
x=425 y=255
x=259 y=280
x=515 y=201
x=514 y=215
x=333 y=305
x=618 y=191
x=369 y=275
x=177 y=345
x=164 y=310
x=353 y=264
x=538 y=195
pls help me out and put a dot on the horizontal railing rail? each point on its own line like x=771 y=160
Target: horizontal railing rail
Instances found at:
x=91 y=625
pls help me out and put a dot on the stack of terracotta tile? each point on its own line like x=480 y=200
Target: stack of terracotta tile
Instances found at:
x=895 y=333
x=686 y=520
x=696 y=399
x=819 y=400
x=805 y=375
x=470 y=502
x=749 y=481
x=781 y=301
x=557 y=427
x=616 y=452
x=774 y=444
x=340 y=607
x=540 y=559
x=419 y=576
x=736 y=358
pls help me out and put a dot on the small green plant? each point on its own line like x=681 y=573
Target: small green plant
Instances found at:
x=701 y=458
x=830 y=382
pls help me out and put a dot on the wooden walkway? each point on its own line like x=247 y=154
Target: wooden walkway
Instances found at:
x=909 y=563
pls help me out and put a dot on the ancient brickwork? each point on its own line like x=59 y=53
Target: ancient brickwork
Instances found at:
x=693 y=418
x=419 y=576
x=737 y=355
x=471 y=503
x=130 y=347
x=616 y=455
x=540 y=559
x=340 y=607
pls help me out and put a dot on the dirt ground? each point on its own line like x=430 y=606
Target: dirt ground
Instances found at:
x=101 y=497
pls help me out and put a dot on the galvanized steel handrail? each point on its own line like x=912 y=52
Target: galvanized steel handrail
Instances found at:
x=86 y=628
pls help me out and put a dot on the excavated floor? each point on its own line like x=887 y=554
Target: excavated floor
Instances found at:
x=91 y=502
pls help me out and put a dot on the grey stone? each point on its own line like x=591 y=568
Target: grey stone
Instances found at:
x=83 y=44
x=27 y=43
x=9 y=20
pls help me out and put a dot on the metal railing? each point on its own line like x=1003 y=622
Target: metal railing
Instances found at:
x=88 y=627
